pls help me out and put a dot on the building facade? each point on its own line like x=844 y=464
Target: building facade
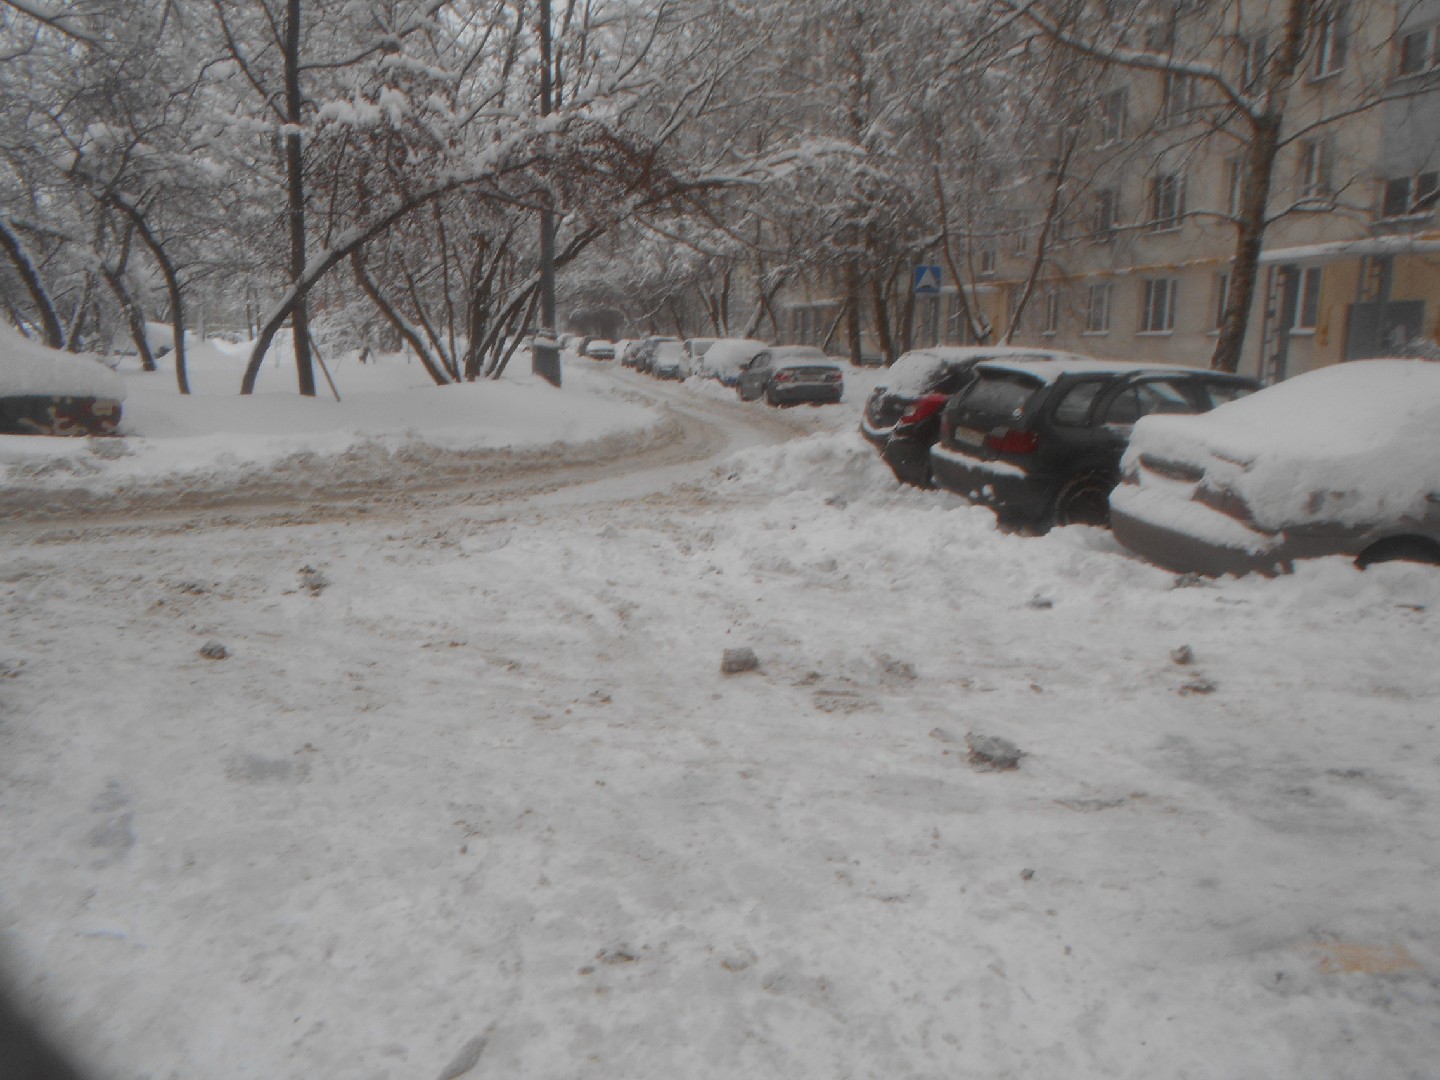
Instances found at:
x=1138 y=255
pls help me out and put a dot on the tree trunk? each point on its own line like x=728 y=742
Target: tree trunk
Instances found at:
x=53 y=333
x=295 y=197
x=1249 y=238
x=402 y=327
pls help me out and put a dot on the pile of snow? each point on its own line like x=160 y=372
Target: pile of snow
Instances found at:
x=386 y=406
x=28 y=369
x=1353 y=443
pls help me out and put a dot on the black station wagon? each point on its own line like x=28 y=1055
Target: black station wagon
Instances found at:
x=902 y=416
x=1040 y=442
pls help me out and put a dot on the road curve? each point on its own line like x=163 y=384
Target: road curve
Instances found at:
x=695 y=430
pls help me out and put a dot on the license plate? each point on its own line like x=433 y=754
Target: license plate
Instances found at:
x=968 y=436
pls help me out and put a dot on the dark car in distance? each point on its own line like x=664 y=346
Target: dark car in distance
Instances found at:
x=1040 y=442
x=902 y=415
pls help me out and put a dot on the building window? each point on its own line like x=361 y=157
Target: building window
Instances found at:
x=954 y=325
x=1234 y=181
x=1051 y=325
x=1222 y=299
x=1157 y=313
x=986 y=258
x=1331 y=42
x=1097 y=309
x=1178 y=99
x=1160 y=37
x=1107 y=213
x=1315 y=170
x=1406 y=195
x=1113 y=109
x=1020 y=237
x=1419 y=51
x=1167 y=201
x=1254 y=59
x=1307 y=300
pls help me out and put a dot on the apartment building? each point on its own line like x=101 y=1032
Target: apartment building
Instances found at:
x=1138 y=262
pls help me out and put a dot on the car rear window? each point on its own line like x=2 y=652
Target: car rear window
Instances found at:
x=996 y=398
x=1219 y=393
x=1073 y=408
x=1151 y=396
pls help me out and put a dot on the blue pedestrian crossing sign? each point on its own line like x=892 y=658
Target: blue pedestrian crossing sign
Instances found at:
x=927 y=279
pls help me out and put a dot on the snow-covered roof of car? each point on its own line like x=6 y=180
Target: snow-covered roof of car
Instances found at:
x=1070 y=364
x=1348 y=442
x=809 y=355
x=910 y=375
x=29 y=369
x=729 y=353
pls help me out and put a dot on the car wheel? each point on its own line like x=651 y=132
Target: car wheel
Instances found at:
x=1084 y=500
x=1400 y=549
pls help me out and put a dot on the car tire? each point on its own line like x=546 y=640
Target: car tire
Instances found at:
x=1083 y=500
x=1400 y=549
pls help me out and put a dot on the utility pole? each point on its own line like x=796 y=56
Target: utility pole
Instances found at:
x=545 y=352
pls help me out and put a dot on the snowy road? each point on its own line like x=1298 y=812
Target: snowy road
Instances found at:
x=469 y=769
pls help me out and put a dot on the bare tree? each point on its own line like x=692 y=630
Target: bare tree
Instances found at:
x=1245 y=72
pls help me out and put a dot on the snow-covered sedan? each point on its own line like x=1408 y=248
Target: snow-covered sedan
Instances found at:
x=1340 y=461
x=49 y=392
x=791 y=375
x=668 y=360
x=727 y=357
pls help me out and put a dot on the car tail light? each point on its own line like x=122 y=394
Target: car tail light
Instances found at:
x=784 y=376
x=1013 y=441
x=923 y=409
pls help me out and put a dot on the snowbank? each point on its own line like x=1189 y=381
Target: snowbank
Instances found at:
x=387 y=405
x=30 y=369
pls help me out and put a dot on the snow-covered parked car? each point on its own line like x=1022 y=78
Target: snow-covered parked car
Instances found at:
x=1340 y=461
x=1040 y=441
x=48 y=392
x=668 y=361
x=725 y=358
x=902 y=416
x=790 y=375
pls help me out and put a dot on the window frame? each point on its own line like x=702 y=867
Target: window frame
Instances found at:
x=1158 y=300
x=1416 y=189
x=1254 y=61
x=1428 y=55
x=1113 y=121
x=1051 y=324
x=1331 y=45
x=1306 y=319
x=1167 y=192
x=1107 y=214
x=1222 y=299
x=1315 y=167
x=1234 y=184
x=1177 y=99
x=1097 y=317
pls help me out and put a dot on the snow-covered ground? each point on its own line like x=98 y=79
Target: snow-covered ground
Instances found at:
x=472 y=771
